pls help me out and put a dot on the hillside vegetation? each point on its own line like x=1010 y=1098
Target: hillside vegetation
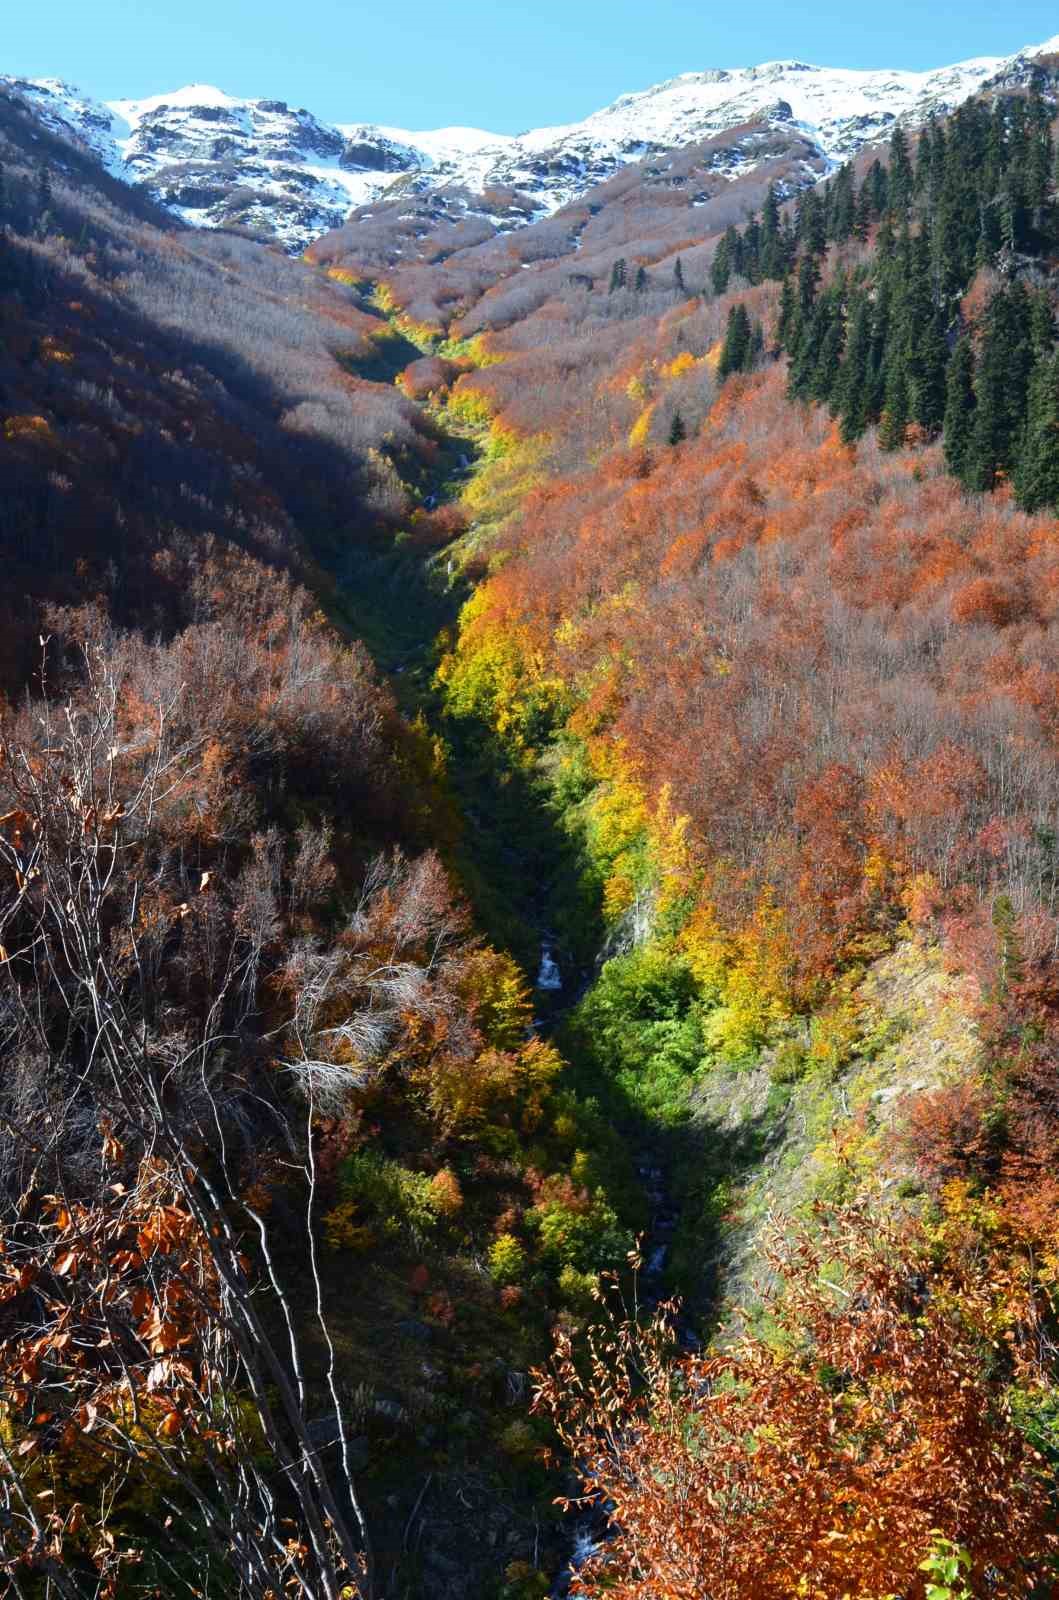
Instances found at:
x=381 y=622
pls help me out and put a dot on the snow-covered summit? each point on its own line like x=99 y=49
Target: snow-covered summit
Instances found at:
x=220 y=160
x=841 y=108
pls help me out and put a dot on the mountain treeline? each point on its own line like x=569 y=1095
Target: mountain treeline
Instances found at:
x=944 y=321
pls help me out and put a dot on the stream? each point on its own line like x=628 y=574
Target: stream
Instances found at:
x=412 y=629
x=588 y=1528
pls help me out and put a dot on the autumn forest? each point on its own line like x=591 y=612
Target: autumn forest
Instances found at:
x=529 y=883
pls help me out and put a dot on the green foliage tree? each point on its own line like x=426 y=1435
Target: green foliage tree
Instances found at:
x=841 y=206
x=774 y=241
x=1001 y=388
x=851 y=401
x=901 y=181
x=816 y=362
x=1037 y=471
x=959 y=408
x=1010 y=964
x=736 y=350
x=725 y=261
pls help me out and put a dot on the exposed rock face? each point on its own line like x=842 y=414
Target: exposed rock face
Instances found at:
x=220 y=161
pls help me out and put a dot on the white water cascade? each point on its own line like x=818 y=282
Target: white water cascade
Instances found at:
x=549 y=977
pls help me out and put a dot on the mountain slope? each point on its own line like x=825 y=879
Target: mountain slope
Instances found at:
x=221 y=161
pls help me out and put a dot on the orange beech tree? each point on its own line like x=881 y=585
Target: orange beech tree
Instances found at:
x=869 y=1426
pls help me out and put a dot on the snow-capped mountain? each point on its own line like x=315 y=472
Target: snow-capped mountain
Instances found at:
x=217 y=160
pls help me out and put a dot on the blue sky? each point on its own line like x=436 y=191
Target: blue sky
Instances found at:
x=490 y=65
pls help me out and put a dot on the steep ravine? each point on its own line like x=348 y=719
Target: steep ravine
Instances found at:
x=755 y=1140
x=512 y=856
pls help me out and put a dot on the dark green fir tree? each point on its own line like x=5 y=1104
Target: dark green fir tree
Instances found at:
x=958 y=427
x=725 y=261
x=851 y=399
x=736 y=350
x=1037 y=471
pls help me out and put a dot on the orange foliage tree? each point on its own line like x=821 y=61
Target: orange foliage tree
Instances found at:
x=153 y=1415
x=829 y=1457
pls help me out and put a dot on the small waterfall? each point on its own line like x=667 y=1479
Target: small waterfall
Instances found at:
x=549 y=977
x=656 y=1260
x=586 y=1541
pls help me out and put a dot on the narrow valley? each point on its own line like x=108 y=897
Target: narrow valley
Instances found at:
x=529 y=845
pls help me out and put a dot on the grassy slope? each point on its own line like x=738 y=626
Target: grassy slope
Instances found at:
x=770 y=1149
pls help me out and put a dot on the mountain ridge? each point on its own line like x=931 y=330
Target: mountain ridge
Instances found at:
x=219 y=160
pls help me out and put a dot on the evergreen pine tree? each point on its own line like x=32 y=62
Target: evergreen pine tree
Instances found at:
x=723 y=263
x=877 y=188
x=934 y=142
x=773 y=259
x=813 y=330
x=880 y=343
x=959 y=409
x=641 y=279
x=735 y=352
x=1037 y=469
x=841 y=206
x=897 y=407
x=961 y=219
x=1010 y=966
x=1000 y=387
x=815 y=366
x=808 y=283
x=677 y=430
x=678 y=275
x=920 y=337
x=617 y=275
x=1042 y=323
x=927 y=375
x=810 y=228
x=901 y=178
x=44 y=189
x=921 y=182
x=788 y=244
x=995 y=155
x=1006 y=213
x=851 y=399
x=1038 y=162
x=829 y=357
x=884 y=240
